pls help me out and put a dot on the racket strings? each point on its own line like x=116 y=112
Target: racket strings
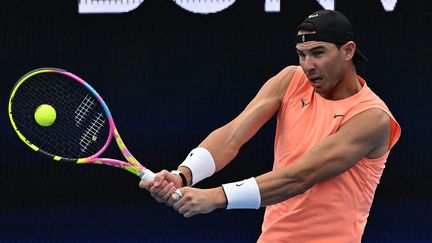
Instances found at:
x=83 y=109
x=91 y=133
x=80 y=129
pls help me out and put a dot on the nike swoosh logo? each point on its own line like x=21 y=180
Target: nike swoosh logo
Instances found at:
x=337 y=115
x=240 y=183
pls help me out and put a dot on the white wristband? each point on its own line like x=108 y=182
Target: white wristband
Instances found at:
x=242 y=194
x=201 y=164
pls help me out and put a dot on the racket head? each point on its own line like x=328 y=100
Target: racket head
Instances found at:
x=83 y=127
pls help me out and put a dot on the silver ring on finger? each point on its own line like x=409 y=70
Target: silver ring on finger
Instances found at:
x=177 y=195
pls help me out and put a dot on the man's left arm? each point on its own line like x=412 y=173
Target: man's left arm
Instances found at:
x=364 y=135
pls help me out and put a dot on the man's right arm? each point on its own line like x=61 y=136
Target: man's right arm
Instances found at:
x=225 y=142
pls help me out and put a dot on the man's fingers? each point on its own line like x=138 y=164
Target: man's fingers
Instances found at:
x=187 y=211
x=156 y=188
x=145 y=184
x=184 y=199
x=165 y=192
x=172 y=196
x=160 y=177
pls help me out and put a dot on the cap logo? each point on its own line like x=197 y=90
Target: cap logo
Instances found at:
x=313 y=16
x=303 y=38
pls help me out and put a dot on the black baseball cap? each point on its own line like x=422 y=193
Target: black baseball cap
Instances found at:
x=330 y=26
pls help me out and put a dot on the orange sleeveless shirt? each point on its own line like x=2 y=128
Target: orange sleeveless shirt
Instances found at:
x=334 y=210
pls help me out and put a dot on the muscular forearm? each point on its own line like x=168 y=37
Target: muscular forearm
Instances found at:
x=210 y=156
x=222 y=149
x=319 y=163
x=325 y=160
x=279 y=185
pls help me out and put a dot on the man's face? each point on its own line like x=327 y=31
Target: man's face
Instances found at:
x=323 y=63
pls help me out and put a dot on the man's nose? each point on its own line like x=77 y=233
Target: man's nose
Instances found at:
x=309 y=63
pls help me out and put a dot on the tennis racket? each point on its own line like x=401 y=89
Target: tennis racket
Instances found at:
x=59 y=115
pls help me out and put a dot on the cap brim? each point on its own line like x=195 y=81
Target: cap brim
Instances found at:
x=361 y=56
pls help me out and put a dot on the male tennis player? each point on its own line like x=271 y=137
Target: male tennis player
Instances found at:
x=332 y=140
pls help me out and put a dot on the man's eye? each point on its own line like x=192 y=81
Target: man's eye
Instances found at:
x=317 y=53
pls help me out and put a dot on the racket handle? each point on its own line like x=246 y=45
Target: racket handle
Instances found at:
x=146 y=175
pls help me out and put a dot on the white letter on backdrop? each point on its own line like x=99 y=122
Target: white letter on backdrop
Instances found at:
x=204 y=6
x=118 y=6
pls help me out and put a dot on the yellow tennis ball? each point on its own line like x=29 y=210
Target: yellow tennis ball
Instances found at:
x=45 y=115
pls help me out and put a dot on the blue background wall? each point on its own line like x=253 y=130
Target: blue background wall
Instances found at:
x=170 y=77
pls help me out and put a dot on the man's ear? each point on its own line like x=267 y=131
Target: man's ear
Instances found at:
x=349 y=50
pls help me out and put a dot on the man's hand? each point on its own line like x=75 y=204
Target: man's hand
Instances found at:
x=198 y=201
x=163 y=185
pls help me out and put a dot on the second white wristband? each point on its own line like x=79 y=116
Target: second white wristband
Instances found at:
x=243 y=194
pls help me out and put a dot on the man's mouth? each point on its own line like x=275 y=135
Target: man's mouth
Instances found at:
x=315 y=79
